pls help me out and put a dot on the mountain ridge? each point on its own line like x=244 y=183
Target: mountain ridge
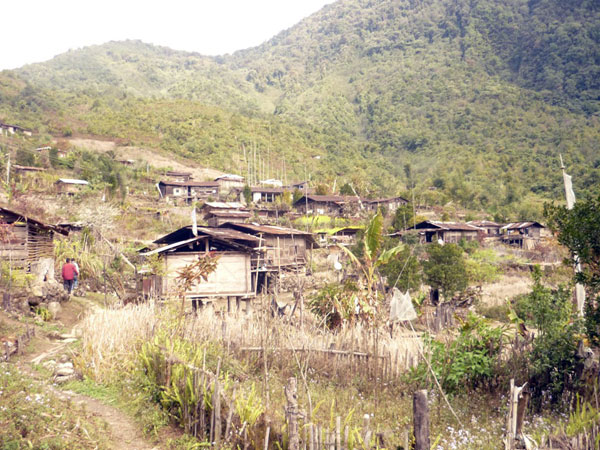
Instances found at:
x=371 y=87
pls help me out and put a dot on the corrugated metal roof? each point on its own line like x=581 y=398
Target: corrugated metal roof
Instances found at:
x=173 y=173
x=329 y=198
x=223 y=205
x=230 y=177
x=37 y=223
x=190 y=183
x=385 y=200
x=173 y=246
x=229 y=213
x=448 y=226
x=269 y=229
x=72 y=181
x=268 y=190
x=484 y=223
x=521 y=225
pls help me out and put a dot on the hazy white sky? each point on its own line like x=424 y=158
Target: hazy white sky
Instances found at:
x=36 y=30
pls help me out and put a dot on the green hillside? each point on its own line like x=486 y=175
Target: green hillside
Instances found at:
x=479 y=98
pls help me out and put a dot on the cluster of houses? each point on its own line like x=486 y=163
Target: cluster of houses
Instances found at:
x=251 y=256
x=180 y=188
x=525 y=235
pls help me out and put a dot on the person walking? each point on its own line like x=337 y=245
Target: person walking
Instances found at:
x=76 y=277
x=68 y=275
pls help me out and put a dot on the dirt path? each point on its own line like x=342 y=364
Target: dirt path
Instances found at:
x=124 y=432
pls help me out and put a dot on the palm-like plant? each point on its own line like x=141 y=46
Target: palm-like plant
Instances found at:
x=373 y=257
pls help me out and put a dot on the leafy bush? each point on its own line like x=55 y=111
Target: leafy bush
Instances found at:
x=469 y=360
x=335 y=303
x=445 y=269
x=553 y=371
x=405 y=269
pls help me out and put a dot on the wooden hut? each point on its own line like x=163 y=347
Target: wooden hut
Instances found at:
x=447 y=232
x=70 y=186
x=187 y=191
x=233 y=276
x=331 y=205
x=489 y=228
x=266 y=194
x=229 y=182
x=27 y=243
x=523 y=234
x=215 y=217
x=182 y=177
x=391 y=203
x=283 y=247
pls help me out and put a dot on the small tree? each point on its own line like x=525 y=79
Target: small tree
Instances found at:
x=445 y=269
x=247 y=194
x=322 y=189
x=372 y=258
x=403 y=271
x=403 y=218
x=579 y=230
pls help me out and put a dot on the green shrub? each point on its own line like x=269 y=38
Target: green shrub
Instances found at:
x=467 y=361
x=335 y=303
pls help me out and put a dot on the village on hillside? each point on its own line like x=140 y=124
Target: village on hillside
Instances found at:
x=262 y=233
x=313 y=278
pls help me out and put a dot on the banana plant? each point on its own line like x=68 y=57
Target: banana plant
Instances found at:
x=373 y=257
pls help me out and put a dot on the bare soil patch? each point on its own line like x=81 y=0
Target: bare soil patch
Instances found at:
x=508 y=286
x=152 y=157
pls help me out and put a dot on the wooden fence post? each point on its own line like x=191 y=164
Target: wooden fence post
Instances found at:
x=516 y=414
x=421 y=420
x=291 y=396
x=6 y=301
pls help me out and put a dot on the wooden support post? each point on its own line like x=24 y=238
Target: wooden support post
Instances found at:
x=237 y=305
x=421 y=420
x=217 y=414
x=6 y=301
x=267 y=438
x=228 y=305
x=291 y=396
x=338 y=433
x=248 y=307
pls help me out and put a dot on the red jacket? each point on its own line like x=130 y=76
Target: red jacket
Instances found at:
x=69 y=271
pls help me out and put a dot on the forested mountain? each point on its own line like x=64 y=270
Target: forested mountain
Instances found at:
x=478 y=97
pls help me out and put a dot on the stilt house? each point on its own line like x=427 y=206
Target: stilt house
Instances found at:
x=233 y=276
x=27 y=243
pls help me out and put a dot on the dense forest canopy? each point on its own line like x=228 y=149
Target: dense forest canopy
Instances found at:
x=478 y=97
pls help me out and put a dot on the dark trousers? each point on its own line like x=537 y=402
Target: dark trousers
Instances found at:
x=68 y=284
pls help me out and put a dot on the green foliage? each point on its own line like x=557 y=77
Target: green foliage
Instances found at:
x=482 y=266
x=247 y=194
x=553 y=361
x=467 y=361
x=445 y=269
x=33 y=417
x=504 y=86
x=43 y=313
x=404 y=270
x=579 y=230
x=336 y=303
x=249 y=407
x=372 y=258
x=403 y=218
